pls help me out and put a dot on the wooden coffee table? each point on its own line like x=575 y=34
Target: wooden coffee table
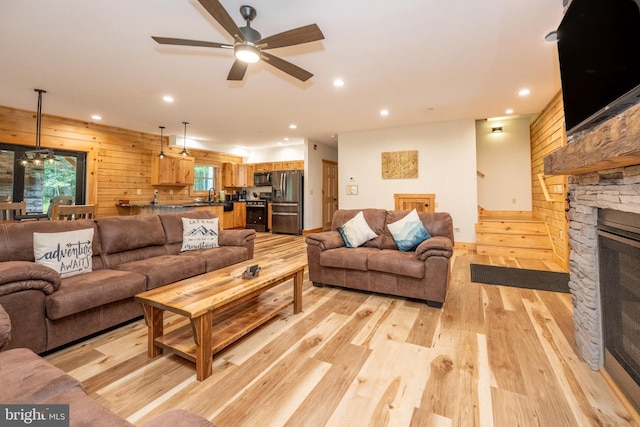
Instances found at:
x=221 y=308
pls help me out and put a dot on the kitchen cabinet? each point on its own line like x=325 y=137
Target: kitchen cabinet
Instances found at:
x=251 y=169
x=419 y=202
x=239 y=214
x=234 y=175
x=288 y=165
x=217 y=210
x=264 y=167
x=172 y=170
x=236 y=218
x=227 y=219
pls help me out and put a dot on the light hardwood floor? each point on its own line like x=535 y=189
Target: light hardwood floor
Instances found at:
x=492 y=356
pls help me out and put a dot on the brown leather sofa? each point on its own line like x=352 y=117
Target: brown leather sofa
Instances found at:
x=378 y=265
x=28 y=379
x=131 y=254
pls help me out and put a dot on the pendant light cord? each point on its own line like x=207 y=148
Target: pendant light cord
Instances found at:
x=39 y=117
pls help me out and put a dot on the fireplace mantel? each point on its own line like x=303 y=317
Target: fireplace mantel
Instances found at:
x=614 y=143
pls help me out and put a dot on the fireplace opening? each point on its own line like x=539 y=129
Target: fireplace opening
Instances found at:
x=619 y=266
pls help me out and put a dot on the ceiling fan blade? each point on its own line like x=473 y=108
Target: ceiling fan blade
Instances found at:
x=287 y=67
x=185 y=42
x=306 y=34
x=221 y=15
x=238 y=69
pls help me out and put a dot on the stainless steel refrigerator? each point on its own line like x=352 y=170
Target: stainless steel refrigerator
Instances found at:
x=286 y=202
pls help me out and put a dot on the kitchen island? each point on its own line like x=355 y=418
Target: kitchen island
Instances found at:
x=218 y=208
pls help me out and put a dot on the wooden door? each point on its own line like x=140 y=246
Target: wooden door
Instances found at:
x=329 y=192
x=419 y=202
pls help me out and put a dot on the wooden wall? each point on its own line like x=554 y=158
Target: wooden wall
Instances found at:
x=118 y=160
x=547 y=135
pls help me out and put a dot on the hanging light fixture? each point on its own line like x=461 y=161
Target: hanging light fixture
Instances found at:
x=39 y=155
x=161 y=154
x=184 y=141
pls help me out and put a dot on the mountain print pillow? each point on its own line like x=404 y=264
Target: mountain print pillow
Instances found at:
x=408 y=232
x=199 y=234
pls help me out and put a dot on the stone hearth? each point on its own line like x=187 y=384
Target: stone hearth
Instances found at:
x=603 y=165
x=617 y=189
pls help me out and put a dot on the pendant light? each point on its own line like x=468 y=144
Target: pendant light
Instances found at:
x=161 y=155
x=184 y=141
x=39 y=155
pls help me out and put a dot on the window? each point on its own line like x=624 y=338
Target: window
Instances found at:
x=38 y=184
x=204 y=178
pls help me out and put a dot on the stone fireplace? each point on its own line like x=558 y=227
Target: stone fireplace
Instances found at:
x=603 y=165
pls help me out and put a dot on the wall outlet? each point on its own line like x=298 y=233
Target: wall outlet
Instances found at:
x=456 y=229
x=170 y=191
x=138 y=191
x=155 y=191
x=513 y=200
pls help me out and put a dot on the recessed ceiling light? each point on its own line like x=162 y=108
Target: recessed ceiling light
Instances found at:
x=338 y=82
x=509 y=111
x=524 y=92
x=551 y=37
x=96 y=117
x=286 y=139
x=167 y=98
x=293 y=126
x=384 y=112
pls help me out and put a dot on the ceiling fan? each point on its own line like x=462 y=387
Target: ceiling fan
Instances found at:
x=249 y=46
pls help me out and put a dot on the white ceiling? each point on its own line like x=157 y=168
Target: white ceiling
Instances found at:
x=424 y=61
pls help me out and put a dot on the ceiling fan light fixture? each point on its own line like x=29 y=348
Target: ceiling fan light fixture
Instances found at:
x=246 y=53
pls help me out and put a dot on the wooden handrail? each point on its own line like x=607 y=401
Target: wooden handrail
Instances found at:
x=545 y=190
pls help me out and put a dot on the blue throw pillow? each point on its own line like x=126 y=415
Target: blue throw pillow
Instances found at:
x=408 y=232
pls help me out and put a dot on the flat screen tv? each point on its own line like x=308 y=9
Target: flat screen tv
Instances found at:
x=599 y=55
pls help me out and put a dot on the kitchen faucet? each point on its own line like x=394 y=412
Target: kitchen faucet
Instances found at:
x=209 y=196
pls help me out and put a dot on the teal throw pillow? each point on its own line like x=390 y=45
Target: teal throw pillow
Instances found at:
x=408 y=232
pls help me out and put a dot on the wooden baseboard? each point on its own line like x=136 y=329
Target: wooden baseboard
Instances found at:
x=635 y=416
x=313 y=230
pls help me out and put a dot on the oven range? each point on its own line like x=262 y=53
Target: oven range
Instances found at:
x=257 y=214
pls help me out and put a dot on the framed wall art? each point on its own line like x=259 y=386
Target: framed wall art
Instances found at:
x=400 y=164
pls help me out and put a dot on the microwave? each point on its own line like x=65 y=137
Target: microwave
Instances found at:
x=262 y=179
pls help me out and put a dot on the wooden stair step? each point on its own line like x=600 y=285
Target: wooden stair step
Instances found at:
x=538 y=241
x=513 y=234
x=511 y=227
x=513 y=252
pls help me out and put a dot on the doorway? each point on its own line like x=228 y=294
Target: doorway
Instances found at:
x=329 y=192
x=38 y=184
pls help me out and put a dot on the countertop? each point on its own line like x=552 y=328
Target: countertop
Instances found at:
x=184 y=205
x=227 y=206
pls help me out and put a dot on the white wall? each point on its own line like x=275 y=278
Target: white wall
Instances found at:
x=316 y=152
x=505 y=160
x=447 y=168
x=277 y=154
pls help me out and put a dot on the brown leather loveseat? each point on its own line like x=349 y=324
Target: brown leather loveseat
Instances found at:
x=130 y=254
x=378 y=265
